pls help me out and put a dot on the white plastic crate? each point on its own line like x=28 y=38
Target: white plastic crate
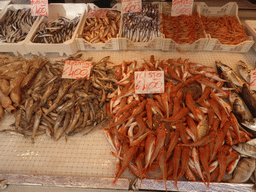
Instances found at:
x=83 y=45
x=3 y=5
x=251 y=30
x=230 y=9
x=56 y=10
x=170 y=45
x=154 y=44
x=15 y=48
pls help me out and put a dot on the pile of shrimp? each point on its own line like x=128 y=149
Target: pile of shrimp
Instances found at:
x=186 y=131
x=182 y=29
x=226 y=29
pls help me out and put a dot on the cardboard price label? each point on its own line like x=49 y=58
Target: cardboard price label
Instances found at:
x=182 y=7
x=100 y=13
x=77 y=69
x=149 y=82
x=131 y=6
x=253 y=80
x=39 y=7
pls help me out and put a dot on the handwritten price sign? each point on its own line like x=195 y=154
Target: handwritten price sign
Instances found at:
x=149 y=82
x=39 y=7
x=100 y=13
x=76 y=69
x=253 y=80
x=182 y=7
x=131 y=6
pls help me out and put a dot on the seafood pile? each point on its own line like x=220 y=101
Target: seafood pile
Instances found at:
x=62 y=107
x=58 y=31
x=226 y=29
x=16 y=25
x=141 y=26
x=182 y=29
x=187 y=131
x=13 y=71
x=100 y=30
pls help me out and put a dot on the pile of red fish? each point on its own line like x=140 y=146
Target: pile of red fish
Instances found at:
x=186 y=131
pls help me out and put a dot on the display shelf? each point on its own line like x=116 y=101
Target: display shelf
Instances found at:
x=88 y=155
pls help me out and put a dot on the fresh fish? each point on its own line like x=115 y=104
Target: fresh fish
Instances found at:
x=250 y=124
x=240 y=109
x=244 y=71
x=245 y=149
x=230 y=75
x=141 y=26
x=244 y=170
x=58 y=31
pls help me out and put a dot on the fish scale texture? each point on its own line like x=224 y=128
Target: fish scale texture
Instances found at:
x=87 y=155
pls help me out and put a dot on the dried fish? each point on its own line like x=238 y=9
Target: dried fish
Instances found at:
x=61 y=106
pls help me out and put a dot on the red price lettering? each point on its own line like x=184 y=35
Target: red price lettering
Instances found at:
x=141 y=85
x=132 y=7
x=155 y=85
x=253 y=82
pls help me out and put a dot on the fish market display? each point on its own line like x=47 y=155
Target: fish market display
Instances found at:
x=141 y=26
x=63 y=107
x=100 y=30
x=182 y=29
x=14 y=73
x=226 y=29
x=16 y=25
x=186 y=131
x=57 y=31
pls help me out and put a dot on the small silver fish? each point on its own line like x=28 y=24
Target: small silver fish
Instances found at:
x=245 y=149
x=244 y=170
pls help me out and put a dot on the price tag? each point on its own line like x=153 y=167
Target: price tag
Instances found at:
x=39 y=7
x=149 y=82
x=100 y=13
x=76 y=69
x=253 y=80
x=182 y=7
x=131 y=6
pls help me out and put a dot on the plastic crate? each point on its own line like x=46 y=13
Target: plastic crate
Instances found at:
x=15 y=48
x=154 y=44
x=83 y=45
x=170 y=45
x=56 y=10
x=251 y=30
x=230 y=9
x=3 y=5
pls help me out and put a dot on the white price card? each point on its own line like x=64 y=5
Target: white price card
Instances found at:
x=77 y=69
x=100 y=13
x=182 y=7
x=131 y=6
x=147 y=82
x=39 y=7
x=253 y=80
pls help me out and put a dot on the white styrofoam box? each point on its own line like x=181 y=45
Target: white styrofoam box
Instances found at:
x=154 y=44
x=251 y=30
x=230 y=9
x=170 y=45
x=15 y=48
x=83 y=45
x=3 y=5
x=56 y=10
